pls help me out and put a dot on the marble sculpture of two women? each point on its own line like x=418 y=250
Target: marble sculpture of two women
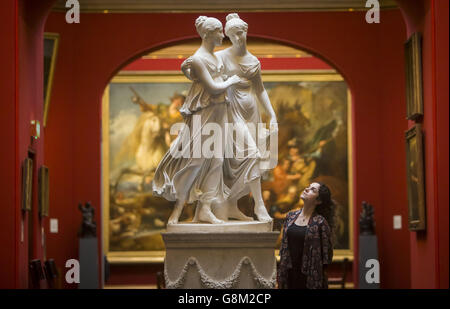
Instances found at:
x=226 y=89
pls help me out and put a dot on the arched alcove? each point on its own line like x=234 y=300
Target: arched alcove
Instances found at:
x=310 y=98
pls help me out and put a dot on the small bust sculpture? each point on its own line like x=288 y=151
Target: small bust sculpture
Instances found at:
x=366 y=220
x=88 y=227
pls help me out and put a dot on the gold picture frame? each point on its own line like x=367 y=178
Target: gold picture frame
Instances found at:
x=413 y=70
x=51 y=42
x=415 y=178
x=27 y=184
x=43 y=193
x=157 y=256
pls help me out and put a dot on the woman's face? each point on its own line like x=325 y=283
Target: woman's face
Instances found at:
x=216 y=35
x=238 y=36
x=311 y=193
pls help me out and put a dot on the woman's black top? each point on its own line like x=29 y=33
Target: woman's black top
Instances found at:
x=296 y=239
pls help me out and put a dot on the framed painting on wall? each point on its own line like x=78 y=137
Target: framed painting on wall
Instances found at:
x=413 y=70
x=27 y=184
x=314 y=145
x=415 y=178
x=43 y=183
x=51 y=41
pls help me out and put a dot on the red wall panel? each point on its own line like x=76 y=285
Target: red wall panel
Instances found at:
x=8 y=88
x=442 y=126
x=21 y=53
x=61 y=130
x=394 y=247
x=31 y=20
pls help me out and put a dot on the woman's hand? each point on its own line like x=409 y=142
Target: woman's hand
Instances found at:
x=233 y=80
x=238 y=81
x=243 y=83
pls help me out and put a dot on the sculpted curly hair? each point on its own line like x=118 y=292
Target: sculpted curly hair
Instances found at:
x=205 y=24
x=234 y=21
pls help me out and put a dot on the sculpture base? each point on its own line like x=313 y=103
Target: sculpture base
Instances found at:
x=229 y=226
x=232 y=255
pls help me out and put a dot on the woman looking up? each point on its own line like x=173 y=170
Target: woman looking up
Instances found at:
x=306 y=246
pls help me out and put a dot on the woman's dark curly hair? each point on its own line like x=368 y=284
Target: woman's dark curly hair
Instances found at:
x=327 y=207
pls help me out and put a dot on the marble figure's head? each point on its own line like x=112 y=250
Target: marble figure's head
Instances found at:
x=236 y=29
x=209 y=28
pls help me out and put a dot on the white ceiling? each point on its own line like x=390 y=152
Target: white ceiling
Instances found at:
x=135 y=6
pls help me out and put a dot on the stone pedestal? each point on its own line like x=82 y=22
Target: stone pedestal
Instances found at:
x=88 y=252
x=233 y=255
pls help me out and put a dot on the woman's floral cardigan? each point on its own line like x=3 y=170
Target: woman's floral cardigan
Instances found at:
x=317 y=252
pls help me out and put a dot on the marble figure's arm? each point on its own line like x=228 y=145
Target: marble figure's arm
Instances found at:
x=214 y=88
x=263 y=98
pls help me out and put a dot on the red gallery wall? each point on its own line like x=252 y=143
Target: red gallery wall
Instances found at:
x=21 y=53
x=369 y=56
x=442 y=128
x=8 y=84
x=429 y=249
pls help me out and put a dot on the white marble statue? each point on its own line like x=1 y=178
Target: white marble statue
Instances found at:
x=227 y=88
x=243 y=175
x=193 y=177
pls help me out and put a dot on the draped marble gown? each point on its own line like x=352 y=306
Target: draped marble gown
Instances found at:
x=186 y=176
x=250 y=160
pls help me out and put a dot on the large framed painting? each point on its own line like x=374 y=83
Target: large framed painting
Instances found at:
x=138 y=111
x=415 y=178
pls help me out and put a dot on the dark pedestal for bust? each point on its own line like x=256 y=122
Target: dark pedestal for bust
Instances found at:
x=88 y=253
x=368 y=249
